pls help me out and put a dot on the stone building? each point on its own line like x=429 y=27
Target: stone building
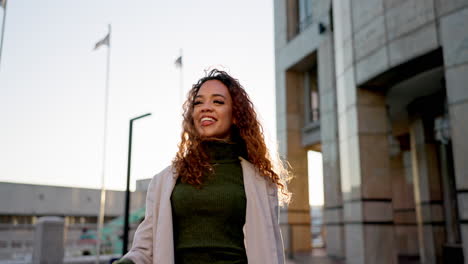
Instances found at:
x=380 y=87
x=22 y=204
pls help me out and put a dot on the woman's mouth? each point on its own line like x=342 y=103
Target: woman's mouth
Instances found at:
x=206 y=121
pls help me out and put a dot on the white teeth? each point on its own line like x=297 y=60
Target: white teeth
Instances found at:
x=207 y=119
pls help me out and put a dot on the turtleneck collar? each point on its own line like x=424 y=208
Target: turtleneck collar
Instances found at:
x=221 y=151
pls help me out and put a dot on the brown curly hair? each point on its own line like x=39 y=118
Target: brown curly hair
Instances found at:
x=191 y=161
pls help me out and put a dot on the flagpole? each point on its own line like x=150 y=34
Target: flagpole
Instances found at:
x=102 y=204
x=181 y=75
x=3 y=30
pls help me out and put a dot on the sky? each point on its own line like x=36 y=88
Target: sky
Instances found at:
x=52 y=83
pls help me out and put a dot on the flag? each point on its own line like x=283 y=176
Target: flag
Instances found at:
x=104 y=41
x=178 y=62
x=3 y=3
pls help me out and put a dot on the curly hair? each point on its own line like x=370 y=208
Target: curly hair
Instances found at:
x=191 y=161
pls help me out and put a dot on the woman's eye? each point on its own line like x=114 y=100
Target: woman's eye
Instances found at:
x=197 y=103
x=218 y=102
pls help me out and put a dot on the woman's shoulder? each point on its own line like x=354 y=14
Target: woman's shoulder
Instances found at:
x=166 y=171
x=167 y=174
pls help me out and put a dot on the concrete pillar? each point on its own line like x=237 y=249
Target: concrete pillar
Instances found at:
x=368 y=207
x=366 y=181
x=298 y=209
x=333 y=207
x=364 y=162
x=282 y=139
x=352 y=243
x=454 y=36
x=48 y=241
x=428 y=194
x=404 y=212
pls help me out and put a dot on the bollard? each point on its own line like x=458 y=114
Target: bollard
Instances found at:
x=48 y=241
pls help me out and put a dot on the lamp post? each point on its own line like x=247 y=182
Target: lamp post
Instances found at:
x=127 y=191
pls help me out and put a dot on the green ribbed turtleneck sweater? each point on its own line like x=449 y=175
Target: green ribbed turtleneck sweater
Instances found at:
x=208 y=221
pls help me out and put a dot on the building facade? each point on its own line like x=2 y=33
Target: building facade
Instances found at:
x=380 y=87
x=23 y=204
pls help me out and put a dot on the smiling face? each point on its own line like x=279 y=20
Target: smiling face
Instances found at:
x=212 y=110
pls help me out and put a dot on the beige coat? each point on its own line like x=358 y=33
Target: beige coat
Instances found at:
x=154 y=244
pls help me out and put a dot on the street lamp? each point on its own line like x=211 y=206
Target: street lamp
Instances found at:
x=127 y=191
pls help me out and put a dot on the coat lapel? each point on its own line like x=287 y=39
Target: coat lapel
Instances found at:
x=163 y=251
x=260 y=230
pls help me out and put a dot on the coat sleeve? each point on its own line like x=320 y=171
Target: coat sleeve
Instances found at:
x=142 y=248
x=274 y=209
x=123 y=261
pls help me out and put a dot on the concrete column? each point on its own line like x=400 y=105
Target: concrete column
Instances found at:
x=282 y=140
x=368 y=208
x=366 y=181
x=298 y=209
x=364 y=162
x=333 y=207
x=404 y=212
x=48 y=241
x=428 y=194
x=454 y=35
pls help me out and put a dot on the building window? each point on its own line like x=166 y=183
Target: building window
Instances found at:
x=314 y=104
x=6 y=219
x=15 y=244
x=22 y=220
x=305 y=14
x=28 y=244
x=312 y=96
x=3 y=244
x=299 y=16
x=92 y=220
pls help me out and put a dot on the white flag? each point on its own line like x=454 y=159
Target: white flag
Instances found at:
x=178 y=62
x=104 y=41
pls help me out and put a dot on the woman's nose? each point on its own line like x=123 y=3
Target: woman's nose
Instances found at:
x=207 y=107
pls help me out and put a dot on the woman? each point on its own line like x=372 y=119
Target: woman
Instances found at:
x=218 y=202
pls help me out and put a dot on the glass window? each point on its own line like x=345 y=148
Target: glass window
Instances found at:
x=3 y=244
x=292 y=18
x=92 y=219
x=6 y=219
x=305 y=14
x=22 y=219
x=299 y=16
x=314 y=103
x=16 y=244
x=28 y=243
x=313 y=96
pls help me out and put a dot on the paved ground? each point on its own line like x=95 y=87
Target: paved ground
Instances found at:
x=317 y=256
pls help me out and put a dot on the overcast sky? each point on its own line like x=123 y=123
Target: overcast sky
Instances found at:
x=52 y=83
